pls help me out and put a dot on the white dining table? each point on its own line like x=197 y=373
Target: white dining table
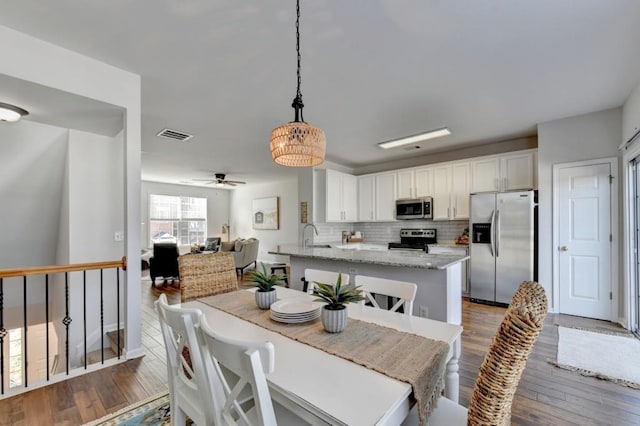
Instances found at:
x=325 y=389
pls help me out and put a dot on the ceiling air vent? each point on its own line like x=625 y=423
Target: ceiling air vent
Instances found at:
x=412 y=148
x=174 y=135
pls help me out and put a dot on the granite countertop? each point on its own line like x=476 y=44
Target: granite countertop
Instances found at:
x=372 y=253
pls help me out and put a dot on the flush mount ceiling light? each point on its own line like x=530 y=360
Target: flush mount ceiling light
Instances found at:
x=420 y=137
x=11 y=113
x=298 y=144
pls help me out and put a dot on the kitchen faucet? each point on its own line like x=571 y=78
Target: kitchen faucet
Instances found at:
x=304 y=240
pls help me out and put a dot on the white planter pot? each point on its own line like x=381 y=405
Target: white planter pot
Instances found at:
x=264 y=299
x=334 y=321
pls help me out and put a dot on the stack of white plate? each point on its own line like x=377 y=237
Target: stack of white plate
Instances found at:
x=295 y=310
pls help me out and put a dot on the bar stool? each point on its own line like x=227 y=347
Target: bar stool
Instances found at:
x=281 y=267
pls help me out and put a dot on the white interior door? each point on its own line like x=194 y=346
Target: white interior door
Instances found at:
x=584 y=230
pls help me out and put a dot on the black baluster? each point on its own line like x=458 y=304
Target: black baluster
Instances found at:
x=84 y=312
x=3 y=334
x=24 y=342
x=101 y=319
x=46 y=317
x=66 y=320
x=118 y=306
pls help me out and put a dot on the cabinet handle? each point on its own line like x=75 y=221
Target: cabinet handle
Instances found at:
x=447 y=211
x=496 y=183
x=504 y=183
x=454 y=212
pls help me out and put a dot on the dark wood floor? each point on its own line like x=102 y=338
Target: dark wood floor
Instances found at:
x=546 y=395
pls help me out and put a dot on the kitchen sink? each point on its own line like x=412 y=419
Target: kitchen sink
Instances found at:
x=319 y=246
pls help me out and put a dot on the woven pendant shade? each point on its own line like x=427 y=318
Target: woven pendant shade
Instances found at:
x=298 y=144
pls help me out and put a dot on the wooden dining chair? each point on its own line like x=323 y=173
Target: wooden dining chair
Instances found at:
x=237 y=370
x=189 y=391
x=206 y=275
x=403 y=291
x=321 y=276
x=502 y=367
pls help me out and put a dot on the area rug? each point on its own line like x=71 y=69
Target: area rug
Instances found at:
x=607 y=356
x=152 y=411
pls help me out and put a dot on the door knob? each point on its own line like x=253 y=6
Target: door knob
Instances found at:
x=564 y=248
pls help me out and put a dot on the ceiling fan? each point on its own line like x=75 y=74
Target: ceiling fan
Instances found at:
x=220 y=180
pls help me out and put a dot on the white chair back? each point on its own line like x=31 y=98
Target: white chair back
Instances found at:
x=249 y=362
x=189 y=390
x=404 y=291
x=324 y=277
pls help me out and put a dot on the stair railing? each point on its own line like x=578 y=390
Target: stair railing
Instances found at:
x=47 y=271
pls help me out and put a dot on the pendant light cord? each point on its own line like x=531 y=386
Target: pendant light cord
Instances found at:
x=297 y=102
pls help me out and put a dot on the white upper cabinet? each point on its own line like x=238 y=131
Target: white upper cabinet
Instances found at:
x=385 y=196
x=366 y=198
x=341 y=197
x=503 y=173
x=451 y=192
x=517 y=171
x=441 y=192
x=424 y=182
x=415 y=183
x=460 y=191
x=485 y=174
x=406 y=184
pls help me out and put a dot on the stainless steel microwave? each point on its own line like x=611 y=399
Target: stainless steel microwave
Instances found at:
x=414 y=208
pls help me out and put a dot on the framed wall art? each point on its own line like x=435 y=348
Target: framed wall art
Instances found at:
x=265 y=214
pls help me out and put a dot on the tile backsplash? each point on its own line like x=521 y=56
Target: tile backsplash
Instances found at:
x=384 y=232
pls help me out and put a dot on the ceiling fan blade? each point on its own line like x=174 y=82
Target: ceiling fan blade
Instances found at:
x=228 y=182
x=207 y=181
x=234 y=182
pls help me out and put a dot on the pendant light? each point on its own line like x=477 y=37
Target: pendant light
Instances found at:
x=297 y=143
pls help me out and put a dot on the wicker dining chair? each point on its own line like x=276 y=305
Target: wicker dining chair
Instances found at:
x=206 y=274
x=502 y=367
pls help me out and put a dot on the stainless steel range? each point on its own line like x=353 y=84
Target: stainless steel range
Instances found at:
x=415 y=239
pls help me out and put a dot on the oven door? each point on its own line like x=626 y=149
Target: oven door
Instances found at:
x=409 y=209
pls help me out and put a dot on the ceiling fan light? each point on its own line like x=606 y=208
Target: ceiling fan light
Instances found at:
x=420 y=137
x=298 y=144
x=11 y=113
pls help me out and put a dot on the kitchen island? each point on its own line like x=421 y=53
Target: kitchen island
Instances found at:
x=438 y=276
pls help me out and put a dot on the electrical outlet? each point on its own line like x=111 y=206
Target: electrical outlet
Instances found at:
x=423 y=311
x=118 y=236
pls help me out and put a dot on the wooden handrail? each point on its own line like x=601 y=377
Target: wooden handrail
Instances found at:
x=53 y=269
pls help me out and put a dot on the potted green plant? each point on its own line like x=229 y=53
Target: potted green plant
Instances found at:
x=334 y=312
x=264 y=283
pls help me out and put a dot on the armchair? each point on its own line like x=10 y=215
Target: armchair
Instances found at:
x=164 y=262
x=245 y=252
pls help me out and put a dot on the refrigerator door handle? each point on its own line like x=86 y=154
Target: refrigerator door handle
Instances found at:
x=497 y=233
x=493 y=218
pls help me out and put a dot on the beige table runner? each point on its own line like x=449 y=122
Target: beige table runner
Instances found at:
x=403 y=356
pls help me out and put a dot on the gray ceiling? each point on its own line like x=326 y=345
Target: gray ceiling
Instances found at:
x=371 y=71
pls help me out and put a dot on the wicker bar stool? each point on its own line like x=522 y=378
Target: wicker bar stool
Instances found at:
x=502 y=367
x=206 y=274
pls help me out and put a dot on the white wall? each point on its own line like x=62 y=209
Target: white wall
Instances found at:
x=631 y=115
x=217 y=206
x=30 y=59
x=95 y=206
x=584 y=137
x=241 y=221
x=31 y=180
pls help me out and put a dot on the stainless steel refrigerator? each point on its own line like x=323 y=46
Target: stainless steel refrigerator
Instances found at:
x=502 y=244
